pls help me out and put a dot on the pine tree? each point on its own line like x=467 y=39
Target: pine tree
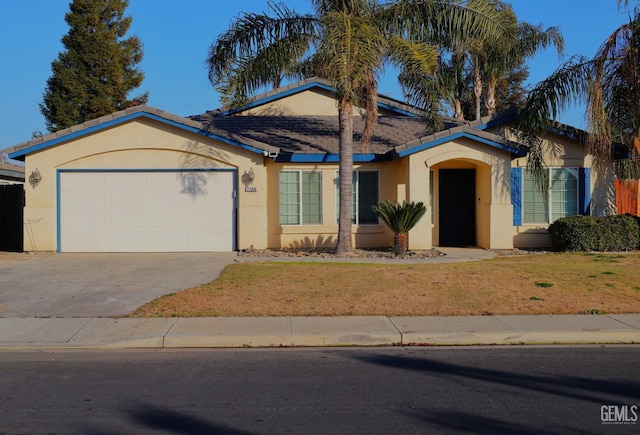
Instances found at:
x=98 y=68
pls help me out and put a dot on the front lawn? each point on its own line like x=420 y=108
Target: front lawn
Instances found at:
x=531 y=284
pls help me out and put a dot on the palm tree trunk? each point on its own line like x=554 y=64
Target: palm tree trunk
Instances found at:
x=490 y=102
x=457 y=109
x=400 y=243
x=345 y=116
x=477 y=88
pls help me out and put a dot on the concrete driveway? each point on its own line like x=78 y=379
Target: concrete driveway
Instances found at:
x=93 y=285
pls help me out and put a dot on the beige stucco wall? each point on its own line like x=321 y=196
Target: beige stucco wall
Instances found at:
x=390 y=176
x=142 y=144
x=311 y=102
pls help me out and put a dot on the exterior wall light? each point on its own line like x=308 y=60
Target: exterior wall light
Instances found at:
x=247 y=180
x=35 y=178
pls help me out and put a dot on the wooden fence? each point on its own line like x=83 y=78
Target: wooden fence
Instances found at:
x=627 y=194
x=11 y=217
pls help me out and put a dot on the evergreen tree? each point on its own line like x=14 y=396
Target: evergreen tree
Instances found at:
x=510 y=89
x=98 y=68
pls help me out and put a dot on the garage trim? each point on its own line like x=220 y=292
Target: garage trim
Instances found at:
x=59 y=172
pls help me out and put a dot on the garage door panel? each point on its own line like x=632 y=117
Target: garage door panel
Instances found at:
x=79 y=241
x=146 y=212
x=125 y=241
x=202 y=224
x=84 y=201
x=167 y=201
x=179 y=239
x=206 y=239
x=127 y=201
x=169 y=222
x=90 y=181
x=126 y=221
x=126 y=181
x=84 y=222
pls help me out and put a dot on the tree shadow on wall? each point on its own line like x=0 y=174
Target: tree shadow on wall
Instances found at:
x=196 y=161
x=320 y=242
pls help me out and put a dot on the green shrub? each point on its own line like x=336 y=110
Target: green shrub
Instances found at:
x=586 y=233
x=574 y=233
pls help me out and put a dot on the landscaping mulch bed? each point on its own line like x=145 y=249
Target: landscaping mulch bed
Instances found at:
x=331 y=253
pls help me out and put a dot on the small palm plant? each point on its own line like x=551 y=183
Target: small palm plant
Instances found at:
x=400 y=218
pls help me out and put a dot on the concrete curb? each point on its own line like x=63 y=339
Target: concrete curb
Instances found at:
x=238 y=332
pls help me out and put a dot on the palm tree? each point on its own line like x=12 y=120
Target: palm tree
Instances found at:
x=477 y=63
x=347 y=42
x=609 y=85
x=501 y=56
x=400 y=218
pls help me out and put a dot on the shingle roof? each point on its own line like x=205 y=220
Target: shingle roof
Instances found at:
x=320 y=134
x=123 y=116
x=316 y=134
x=9 y=171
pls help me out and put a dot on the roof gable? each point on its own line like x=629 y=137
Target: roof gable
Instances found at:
x=19 y=151
x=387 y=104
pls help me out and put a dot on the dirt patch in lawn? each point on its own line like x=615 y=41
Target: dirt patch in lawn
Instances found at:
x=531 y=284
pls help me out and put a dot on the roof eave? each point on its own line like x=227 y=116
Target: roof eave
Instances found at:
x=433 y=141
x=21 y=151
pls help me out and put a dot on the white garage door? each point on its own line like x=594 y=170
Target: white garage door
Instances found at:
x=146 y=211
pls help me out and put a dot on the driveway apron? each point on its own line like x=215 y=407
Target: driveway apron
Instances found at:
x=95 y=285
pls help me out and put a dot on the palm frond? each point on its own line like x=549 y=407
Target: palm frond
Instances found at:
x=568 y=85
x=258 y=46
x=400 y=217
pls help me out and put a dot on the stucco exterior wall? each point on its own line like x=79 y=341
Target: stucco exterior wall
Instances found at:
x=142 y=144
x=311 y=102
x=390 y=176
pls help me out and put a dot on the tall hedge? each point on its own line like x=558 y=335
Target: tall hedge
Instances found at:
x=586 y=233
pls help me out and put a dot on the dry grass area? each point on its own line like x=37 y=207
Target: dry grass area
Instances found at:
x=532 y=284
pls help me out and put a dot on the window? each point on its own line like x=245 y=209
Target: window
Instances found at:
x=300 y=198
x=365 y=194
x=558 y=199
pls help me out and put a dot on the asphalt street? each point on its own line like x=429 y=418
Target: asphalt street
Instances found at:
x=526 y=390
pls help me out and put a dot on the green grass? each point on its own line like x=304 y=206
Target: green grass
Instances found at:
x=544 y=284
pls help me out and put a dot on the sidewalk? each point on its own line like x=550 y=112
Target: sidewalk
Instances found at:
x=219 y=332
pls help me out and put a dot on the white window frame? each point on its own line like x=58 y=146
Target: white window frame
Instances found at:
x=549 y=219
x=300 y=198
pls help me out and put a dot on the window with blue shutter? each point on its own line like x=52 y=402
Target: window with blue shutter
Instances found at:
x=564 y=195
x=516 y=195
x=584 y=186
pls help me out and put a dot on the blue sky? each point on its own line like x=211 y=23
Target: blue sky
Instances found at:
x=177 y=34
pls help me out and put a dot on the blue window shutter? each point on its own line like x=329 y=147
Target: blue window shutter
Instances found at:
x=584 y=191
x=516 y=195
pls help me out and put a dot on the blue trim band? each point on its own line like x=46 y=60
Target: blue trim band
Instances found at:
x=325 y=158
